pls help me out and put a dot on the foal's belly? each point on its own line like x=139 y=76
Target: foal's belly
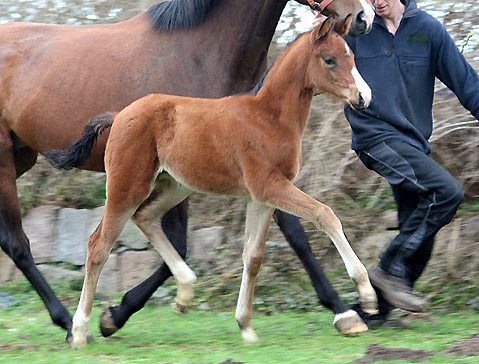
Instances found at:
x=210 y=180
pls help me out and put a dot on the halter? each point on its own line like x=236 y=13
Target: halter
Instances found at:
x=319 y=5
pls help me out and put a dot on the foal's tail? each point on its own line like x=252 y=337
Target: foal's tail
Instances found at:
x=79 y=152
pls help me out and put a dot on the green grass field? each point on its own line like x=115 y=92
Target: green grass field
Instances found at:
x=158 y=335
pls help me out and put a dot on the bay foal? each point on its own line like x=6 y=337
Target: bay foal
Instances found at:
x=162 y=148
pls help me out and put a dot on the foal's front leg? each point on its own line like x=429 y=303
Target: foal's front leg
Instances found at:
x=258 y=217
x=280 y=193
x=346 y=320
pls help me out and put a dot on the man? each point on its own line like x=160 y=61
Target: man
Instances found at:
x=399 y=59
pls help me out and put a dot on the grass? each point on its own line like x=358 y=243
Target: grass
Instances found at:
x=158 y=335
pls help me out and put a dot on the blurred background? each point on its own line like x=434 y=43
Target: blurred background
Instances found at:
x=331 y=173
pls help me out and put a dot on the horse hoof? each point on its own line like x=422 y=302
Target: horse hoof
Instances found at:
x=107 y=324
x=78 y=344
x=249 y=336
x=370 y=307
x=69 y=337
x=349 y=323
x=81 y=343
x=180 y=309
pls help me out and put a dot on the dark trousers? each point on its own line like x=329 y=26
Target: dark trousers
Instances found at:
x=427 y=196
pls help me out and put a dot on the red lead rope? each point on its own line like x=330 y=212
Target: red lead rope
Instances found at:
x=320 y=5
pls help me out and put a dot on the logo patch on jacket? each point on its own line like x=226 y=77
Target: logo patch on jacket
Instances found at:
x=417 y=38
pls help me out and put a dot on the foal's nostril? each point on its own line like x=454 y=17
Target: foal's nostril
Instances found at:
x=361 y=103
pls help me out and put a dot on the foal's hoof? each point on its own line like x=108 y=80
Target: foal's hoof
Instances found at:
x=349 y=323
x=180 y=309
x=249 y=336
x=79 y=344
x=107 y=324
x=370 y=307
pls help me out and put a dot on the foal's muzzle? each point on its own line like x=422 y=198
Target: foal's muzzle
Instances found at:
x=361 y=102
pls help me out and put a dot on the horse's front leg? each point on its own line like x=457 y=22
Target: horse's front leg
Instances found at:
x=258 y=217
x=346 y=321
x=174 y=224
x=280 y=193
x=12 y=237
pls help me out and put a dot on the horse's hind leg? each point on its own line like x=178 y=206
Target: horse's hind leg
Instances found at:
x=258 y=217
x=174 y=224
x=129 y=183
x=99 y=247
x=12 y=237
x=346 y=320
x=167 y=194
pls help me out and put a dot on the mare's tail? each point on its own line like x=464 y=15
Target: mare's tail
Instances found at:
x=79 y=152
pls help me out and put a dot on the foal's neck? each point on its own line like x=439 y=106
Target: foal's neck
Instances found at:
x=284 y=89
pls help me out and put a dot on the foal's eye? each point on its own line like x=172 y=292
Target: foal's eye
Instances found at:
x=330 y=61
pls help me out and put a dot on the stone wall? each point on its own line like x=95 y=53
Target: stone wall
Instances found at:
x=58 y=240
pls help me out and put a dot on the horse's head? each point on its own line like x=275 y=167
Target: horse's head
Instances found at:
x=361 y=11
x=331 y=67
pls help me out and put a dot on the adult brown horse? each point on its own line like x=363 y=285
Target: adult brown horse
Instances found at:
x=162 y=148
x=53 y=78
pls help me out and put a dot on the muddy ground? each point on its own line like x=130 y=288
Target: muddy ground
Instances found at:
x=374 y=353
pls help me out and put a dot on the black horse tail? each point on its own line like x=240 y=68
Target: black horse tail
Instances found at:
x=79 y=152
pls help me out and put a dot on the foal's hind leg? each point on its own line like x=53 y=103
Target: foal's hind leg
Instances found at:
x=12 y=237
x=258 y=217
x=167 y=194
x=282 y=194
x=129 y=183
x=99 y=247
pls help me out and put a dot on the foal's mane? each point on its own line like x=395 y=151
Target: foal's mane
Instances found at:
x=180 y=14
x=255 y=90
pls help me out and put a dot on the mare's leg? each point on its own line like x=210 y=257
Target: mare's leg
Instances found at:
x=12 y=237
x=346 y=320
x=167 y=193
x=174 y=224
x=280 y=193
x=24 y=158
x=258 y=217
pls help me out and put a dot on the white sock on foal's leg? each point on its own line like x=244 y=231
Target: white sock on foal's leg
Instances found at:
x=185 y=279
x=80 y=329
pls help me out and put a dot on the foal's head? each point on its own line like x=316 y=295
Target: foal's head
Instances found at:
x=331 y=67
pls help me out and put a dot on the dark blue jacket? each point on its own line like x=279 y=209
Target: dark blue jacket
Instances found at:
x=401 y=71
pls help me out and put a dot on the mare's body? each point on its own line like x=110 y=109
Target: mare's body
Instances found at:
x=54 y=77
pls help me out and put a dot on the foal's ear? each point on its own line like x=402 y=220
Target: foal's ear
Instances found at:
x=342 y=26
x=322 y=30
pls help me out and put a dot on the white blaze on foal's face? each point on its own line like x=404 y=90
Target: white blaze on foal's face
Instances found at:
x=363 y=87
x=359 y=83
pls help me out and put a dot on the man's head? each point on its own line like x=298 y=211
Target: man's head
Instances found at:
x=386 y=9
